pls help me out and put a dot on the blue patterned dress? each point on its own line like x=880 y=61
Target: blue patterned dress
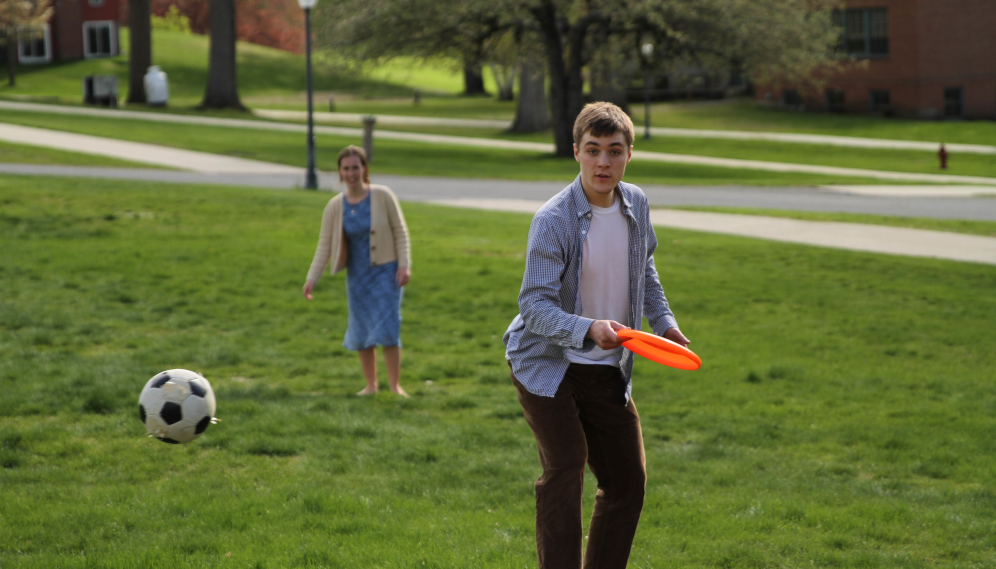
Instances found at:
x=374 y=295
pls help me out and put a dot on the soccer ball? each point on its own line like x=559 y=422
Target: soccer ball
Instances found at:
x=176 y=406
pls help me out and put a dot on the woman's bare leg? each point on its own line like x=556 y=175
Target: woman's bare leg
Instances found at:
x=368 y=361
x=392 y=357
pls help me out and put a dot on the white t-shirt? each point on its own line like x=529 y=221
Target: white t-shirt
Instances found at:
x=605 y=278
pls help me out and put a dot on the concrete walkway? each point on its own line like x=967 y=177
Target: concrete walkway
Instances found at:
x=915 y=191
x=850 y=236
x=506 y=144
x=426 y=188
x=454 y=192
x=139 y=152
x=390 y=120
x=797 y=138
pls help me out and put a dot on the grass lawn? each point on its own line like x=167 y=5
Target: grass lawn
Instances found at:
x=401 y=157
x=746 y=114
x=971 y=227
x=24 y=154
x=843 y=417
x=824 y=155
x=272 y=78
x=266 y=76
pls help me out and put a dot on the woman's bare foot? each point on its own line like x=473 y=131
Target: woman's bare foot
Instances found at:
x=400 y=392
x=366 y=391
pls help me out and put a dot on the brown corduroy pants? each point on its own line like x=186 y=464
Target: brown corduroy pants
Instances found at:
x=586 y=422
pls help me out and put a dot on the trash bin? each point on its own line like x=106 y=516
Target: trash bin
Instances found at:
x=100 y=90
x=156 y=87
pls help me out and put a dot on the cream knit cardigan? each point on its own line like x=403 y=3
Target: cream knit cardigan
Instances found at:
x=388 y=234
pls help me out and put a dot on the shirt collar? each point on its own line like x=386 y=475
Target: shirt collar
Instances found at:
x=581 y=205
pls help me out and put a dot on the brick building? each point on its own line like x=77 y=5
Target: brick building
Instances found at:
x=925 y=58
x=78 y=29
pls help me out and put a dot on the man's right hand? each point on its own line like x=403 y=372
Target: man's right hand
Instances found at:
x=308 y=287
x=604 y=333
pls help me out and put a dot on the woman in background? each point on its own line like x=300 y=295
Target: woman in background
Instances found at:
x=364 y=231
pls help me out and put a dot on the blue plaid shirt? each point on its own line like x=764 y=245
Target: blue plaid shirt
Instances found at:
x=549 y=319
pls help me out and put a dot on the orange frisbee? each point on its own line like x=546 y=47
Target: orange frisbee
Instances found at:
x=660 y=350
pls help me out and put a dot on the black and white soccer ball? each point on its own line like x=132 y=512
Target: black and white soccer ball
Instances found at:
x=176 y=406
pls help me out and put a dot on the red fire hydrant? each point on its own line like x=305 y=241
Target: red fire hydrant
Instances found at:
x=943 y=155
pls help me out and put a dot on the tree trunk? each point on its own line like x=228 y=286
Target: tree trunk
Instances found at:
x=531 y=114
x=473 y=80
x=11 y=60
x=566 y=82
x=505 y=78
x=139 y=50
x=222 y=90
x=610 y=73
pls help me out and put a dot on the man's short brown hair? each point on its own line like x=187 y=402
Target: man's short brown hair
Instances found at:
x=603 y=119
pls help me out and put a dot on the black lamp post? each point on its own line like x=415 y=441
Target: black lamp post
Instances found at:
x=648 y=51
x=311 y=178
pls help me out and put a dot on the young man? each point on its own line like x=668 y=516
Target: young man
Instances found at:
x=589 y=272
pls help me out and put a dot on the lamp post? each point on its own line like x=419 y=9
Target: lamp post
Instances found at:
x=311 y=177
x=648 y=51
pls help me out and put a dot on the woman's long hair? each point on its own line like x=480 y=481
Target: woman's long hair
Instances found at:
x=354 y=151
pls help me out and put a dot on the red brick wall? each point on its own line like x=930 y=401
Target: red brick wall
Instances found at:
x=958 y=49
x=67 y=30
x=108 y=10
x=933 y=44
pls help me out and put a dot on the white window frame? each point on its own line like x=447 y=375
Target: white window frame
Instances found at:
x=34 y=60
x=87 y=51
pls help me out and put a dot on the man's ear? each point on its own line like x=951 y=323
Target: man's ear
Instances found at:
x=577 y=157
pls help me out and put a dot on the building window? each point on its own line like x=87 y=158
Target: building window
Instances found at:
x=34 y=46
x=96 y=3
x=835 y=100
x=864 y=32
x=99 y=39
x=878 y=100
x=954 y=102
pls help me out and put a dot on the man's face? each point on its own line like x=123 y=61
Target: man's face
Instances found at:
x=603 y=162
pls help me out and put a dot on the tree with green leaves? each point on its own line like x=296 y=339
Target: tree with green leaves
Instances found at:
x=463 y=31
x=767 y=39
x=19 y=18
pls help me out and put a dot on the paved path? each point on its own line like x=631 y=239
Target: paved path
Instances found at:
x=421 y=188
x=851 y=236
x=392 y=120
x=521 y=197
x=798 y=138
x=508 y=145
x=915 y=191
x=138 y=151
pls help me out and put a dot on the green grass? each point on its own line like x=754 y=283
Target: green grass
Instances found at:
x=765 y=151
x=400 y=157
x=843 y=417
x=971 y=227
x=746 y=114
x=266 y=76
x=24 y=154
x=275 y=79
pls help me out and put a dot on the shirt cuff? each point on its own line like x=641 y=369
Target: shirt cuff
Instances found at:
x=669 y=322
x=581 y=326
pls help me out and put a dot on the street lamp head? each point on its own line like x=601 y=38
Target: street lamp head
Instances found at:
x=307 y=4
x=647 y=48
